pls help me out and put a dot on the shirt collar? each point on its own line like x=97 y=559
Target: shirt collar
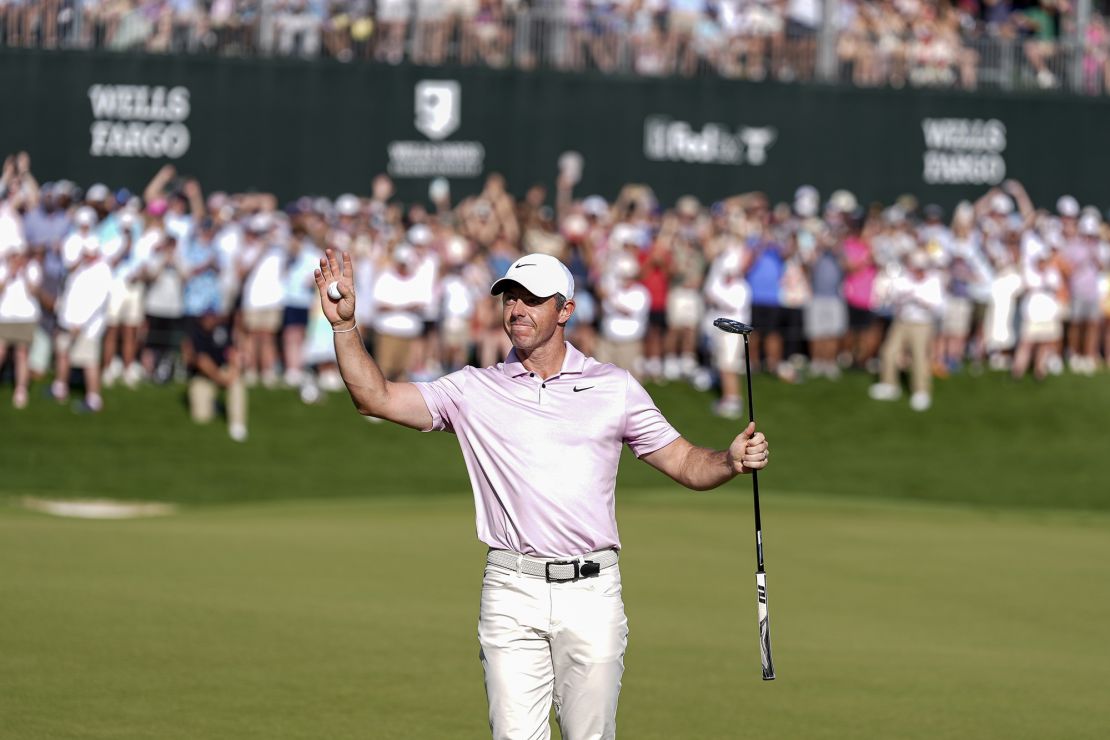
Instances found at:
x=573 y=362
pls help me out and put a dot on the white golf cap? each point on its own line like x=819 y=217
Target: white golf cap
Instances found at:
x=624 y=234
x=1089 y=225
x=419 y=235
x=97 y=192
x=843 y=201
x=84 y=216
x=731 y=260
x=1067 y=206
x=807 y=201
x=259 y=223
x=405 y=254
x=347 y=205
x=595 y=205
x=626 y=267
x=540 y=274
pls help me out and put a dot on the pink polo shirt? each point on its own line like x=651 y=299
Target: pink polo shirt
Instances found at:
x=542 y=454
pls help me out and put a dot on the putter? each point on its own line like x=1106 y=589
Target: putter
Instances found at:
x=736 y=327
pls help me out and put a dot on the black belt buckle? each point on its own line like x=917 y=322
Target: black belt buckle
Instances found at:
x=582 y=569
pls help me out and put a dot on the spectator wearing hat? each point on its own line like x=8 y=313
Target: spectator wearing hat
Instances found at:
x=825 y=315
x=1042 y=302
x=795 y=295
x=625 y=309
x=20 y=280
x=163 y=302
x=1006 y=284
x=460 y=291
x=1082 y=263
x=260 y=266
x=202 y=263
x=126 y=300
x=968 y=247
x=424 y=351
x=81 y=320
x=728 y=295
x=765 y=265
x=865 y=330
x=100 y=198
x=917 y=298
x=300 y=294
x=401 y=296
x=685 y=308
x=213 y=366
x=151 y=237
x=82 y=239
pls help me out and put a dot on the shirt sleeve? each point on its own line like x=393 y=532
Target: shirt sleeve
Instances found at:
x=443 y=398
x=645 y=428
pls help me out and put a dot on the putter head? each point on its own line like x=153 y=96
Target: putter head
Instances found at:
x=733 y=327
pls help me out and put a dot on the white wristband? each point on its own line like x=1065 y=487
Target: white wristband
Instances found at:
x=343 y=331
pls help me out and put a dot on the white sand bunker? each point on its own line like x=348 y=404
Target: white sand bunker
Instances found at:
x=99 y=508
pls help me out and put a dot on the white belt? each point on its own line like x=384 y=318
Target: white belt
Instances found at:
x=554 y=570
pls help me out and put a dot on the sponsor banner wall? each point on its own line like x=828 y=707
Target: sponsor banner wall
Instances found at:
x=297 y=127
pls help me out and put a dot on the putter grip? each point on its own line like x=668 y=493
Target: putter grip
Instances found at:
x=764 y=627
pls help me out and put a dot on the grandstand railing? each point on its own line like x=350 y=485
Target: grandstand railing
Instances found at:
x=545 y=38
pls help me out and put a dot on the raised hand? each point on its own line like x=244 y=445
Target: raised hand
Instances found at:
x=749 y=450
x=341 y=313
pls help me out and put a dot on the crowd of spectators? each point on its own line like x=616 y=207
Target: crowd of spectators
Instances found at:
x=882 y=42
x=172 y=283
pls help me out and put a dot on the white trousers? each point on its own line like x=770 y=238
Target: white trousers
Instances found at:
x=552 y=643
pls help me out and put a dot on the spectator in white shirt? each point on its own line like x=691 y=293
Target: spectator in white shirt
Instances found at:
x=261 y=266
x=81 y=321
x=917 y=297
x=125 y=301
x=300 y=294
x=20 y=278
x=424 y=354
x=1006 y=284
x=727 y=295
x=401 y=296
x=625 y=307
x=82 y=239
x=164 y=270
x=459 y=297
x=1041 y=315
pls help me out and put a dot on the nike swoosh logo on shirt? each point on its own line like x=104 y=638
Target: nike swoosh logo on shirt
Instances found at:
x=579 y=390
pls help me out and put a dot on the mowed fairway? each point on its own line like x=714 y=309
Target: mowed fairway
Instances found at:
x=340 y=613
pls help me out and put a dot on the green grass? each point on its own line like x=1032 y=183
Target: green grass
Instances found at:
x=986 y=442
x=303 y=620
x=931 y=576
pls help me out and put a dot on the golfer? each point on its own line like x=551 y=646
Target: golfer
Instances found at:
x=541 y=434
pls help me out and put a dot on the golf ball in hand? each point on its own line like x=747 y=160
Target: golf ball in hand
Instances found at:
x=333 y=291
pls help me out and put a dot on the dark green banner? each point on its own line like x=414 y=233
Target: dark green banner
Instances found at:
x=297 y=128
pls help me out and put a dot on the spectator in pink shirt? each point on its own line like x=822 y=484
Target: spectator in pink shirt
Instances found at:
x=865 y=332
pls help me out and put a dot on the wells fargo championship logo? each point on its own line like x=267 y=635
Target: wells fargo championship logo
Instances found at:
x=139 y=121
x=437 y=115
x=964 y=151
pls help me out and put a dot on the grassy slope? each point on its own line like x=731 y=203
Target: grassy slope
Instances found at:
x=986 y=441
x=313 y=620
